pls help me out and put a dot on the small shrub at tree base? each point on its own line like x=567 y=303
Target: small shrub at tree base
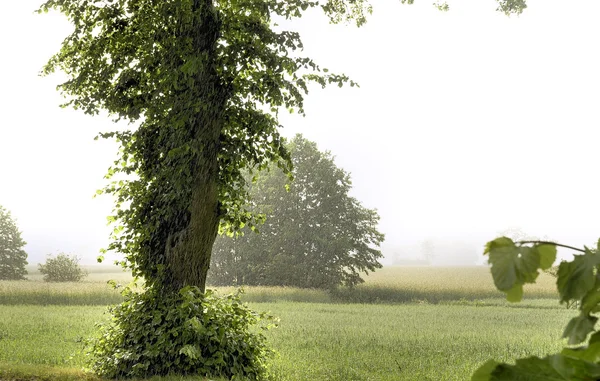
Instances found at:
x=192 y=332
x=62 y=268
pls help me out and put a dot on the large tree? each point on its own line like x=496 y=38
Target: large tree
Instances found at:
x=315 y=235
x=12 y=256
x=203 y=80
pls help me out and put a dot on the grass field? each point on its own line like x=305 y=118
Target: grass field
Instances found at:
x=389 y=285
x=419 y=324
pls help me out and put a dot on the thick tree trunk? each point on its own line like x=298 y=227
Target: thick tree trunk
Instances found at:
x=188 y=252
x=189 y=257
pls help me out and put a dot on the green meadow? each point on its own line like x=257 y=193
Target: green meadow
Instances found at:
x=403 y=323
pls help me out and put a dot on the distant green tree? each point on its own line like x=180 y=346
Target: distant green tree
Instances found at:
x=62 y=268
x=315 y=234
x=12 y=256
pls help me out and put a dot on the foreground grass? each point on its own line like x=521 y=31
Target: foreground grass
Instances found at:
x=50 y=335
x=327 y=341
x=406 y=342
x=45 y=343
x=403 y=323
x=12 y=372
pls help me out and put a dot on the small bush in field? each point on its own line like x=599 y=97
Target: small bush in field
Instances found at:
x=62 y=268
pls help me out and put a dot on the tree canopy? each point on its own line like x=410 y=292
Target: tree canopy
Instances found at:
x=315 y=235
x=12 y=256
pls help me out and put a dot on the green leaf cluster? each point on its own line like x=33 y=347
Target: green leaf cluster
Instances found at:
x=578 y=282
x=13 y=258
x=557 y=367
x=514 y=265
x=509 y=7
x=315 y=234
x=189 y=332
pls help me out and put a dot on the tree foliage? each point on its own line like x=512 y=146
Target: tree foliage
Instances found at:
x=12 y=256
x=62 y=268
x=578 y=282
x=315 y=234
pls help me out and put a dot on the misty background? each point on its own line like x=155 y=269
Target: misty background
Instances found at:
x=466 y=123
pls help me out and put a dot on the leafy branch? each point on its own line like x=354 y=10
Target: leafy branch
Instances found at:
x=552 y=243
x=515 y=263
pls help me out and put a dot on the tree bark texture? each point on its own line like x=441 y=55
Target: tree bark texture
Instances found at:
x=189 y=251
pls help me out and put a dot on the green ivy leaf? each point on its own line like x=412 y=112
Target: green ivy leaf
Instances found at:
x=503 y=256
x=527 y=264
x=484 y=372
x=551 y=368
x=547 y=255
x=515 y=294
x=528 y=260
x=576 y=278
x=579 y=327
x=190 y=351
x=595 y=338
x=591 y=353
x=589 y=303
x=498 y=243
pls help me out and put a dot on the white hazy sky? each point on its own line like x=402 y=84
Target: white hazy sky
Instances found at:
x=466 y=123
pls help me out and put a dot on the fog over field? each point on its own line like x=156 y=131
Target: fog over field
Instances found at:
x=466 y=123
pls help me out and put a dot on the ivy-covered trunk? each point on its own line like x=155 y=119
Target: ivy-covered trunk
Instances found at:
x=188 y=252
x=204 y=81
